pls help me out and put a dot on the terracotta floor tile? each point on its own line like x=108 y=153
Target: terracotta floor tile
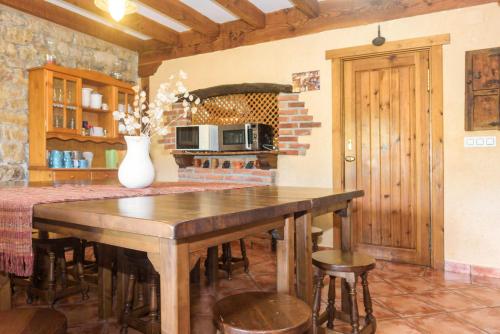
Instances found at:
x=437 y=291
x=265 y=282
x=443 y=323
x=407 y=305
x=484 y=295
x=383 y=289
x=487 y=319
x=448 y=280
x=486 y=281
x=448 y=300
x=414 y=284
x=396 y=326
x=404 y=269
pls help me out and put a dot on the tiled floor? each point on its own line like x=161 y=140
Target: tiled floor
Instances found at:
x=407 y=300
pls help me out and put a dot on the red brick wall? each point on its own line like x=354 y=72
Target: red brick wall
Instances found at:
x=169 y=140
x=294 y=122
x=252 y=176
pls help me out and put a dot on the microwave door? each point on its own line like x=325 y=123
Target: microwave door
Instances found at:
x=188 y=138
x=233 y=139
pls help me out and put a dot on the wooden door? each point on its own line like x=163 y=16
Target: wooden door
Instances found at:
x=387 y=154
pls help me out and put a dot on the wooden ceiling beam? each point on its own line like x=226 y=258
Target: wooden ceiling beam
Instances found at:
x=185 y=15
x=291 y=22
x=61 y=16
x=308 y=7
x=245 y=10
x=133 y=21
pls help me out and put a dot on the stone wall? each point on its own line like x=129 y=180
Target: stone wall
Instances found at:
x=24 y=42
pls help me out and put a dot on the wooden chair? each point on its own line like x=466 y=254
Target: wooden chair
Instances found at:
x=262 y=313
x=228 y=262
x=49 y=254
x=140 y=272
x=32 y=321
x=316 y=232
x=347 y=266
x=142 y=311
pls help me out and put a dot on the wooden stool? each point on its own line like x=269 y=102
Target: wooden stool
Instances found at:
x=348 y=266
x=262 y=313
x=227 y=262
x=141 y=271
x=49 y=253
x=32 y=321
x=316 y=233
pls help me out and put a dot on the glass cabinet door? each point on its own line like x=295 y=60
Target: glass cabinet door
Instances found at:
x=64 y=113
x=125 y=103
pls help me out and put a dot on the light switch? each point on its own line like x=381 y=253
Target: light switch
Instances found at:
x=487 y=141
x=491 y=141
x=469 y=142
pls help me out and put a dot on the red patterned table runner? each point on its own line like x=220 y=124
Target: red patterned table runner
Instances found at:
x=16 y=212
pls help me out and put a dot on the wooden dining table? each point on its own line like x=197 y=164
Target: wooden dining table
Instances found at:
x=171 y=227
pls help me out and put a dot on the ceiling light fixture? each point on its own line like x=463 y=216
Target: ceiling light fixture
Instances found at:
x=117 y=8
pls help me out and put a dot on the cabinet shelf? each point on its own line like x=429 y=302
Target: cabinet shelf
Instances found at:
x=267 y=159
x=72 y=169
x=92 y=110
x=80 y=138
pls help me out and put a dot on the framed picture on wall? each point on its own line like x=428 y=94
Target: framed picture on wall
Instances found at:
x=306 y=81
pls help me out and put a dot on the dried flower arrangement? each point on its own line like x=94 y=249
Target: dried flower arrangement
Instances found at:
x=148 y=119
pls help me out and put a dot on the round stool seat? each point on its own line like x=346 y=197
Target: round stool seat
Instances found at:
x=263 y=313
x=316 y=231
x=336 y=260
x=33 y=321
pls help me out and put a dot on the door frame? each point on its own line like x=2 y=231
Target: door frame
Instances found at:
x=434 y=45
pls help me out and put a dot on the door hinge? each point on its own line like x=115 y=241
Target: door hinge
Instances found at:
x=428 y=79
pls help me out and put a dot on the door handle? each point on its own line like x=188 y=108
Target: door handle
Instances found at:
x=350 y=158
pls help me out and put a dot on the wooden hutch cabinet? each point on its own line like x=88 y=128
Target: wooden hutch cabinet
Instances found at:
x=56 y=115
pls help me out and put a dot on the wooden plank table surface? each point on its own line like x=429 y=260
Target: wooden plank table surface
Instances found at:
x=170 y=227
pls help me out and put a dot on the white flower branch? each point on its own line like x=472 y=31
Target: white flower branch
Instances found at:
x=147 y=119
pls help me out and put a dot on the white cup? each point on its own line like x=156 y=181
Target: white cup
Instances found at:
x=105 y=106
x=121 y=107
x=86 y=92
x=88 y=156
x=97 y=131
x=95 y=100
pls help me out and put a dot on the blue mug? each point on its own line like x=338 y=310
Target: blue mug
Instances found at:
x=56 y=159
x=83 y=163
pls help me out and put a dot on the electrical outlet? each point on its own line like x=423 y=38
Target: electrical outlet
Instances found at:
x=486 y=141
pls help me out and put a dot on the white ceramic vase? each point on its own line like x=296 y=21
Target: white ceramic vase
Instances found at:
x=136 y=169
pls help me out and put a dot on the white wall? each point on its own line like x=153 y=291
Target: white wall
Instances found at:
x=472 y=176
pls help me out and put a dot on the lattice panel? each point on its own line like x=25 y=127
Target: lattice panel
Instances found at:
x=239 y=109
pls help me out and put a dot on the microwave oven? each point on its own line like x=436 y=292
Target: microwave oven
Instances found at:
x=246 y=137
x=197 y=138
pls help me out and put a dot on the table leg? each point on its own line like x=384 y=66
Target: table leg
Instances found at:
x=105 y=281
x=173 y=266
x=303 y=237
x=346 y=235
x=121 y=282
x=212 y=264
x=5 y=292
x=285 y=254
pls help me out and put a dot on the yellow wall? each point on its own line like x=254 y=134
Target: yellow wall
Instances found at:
x=472 y=176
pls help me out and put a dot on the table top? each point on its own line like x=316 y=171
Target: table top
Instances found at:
x=183 y=215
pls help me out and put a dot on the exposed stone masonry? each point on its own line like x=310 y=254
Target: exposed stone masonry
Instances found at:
x=24 y=42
